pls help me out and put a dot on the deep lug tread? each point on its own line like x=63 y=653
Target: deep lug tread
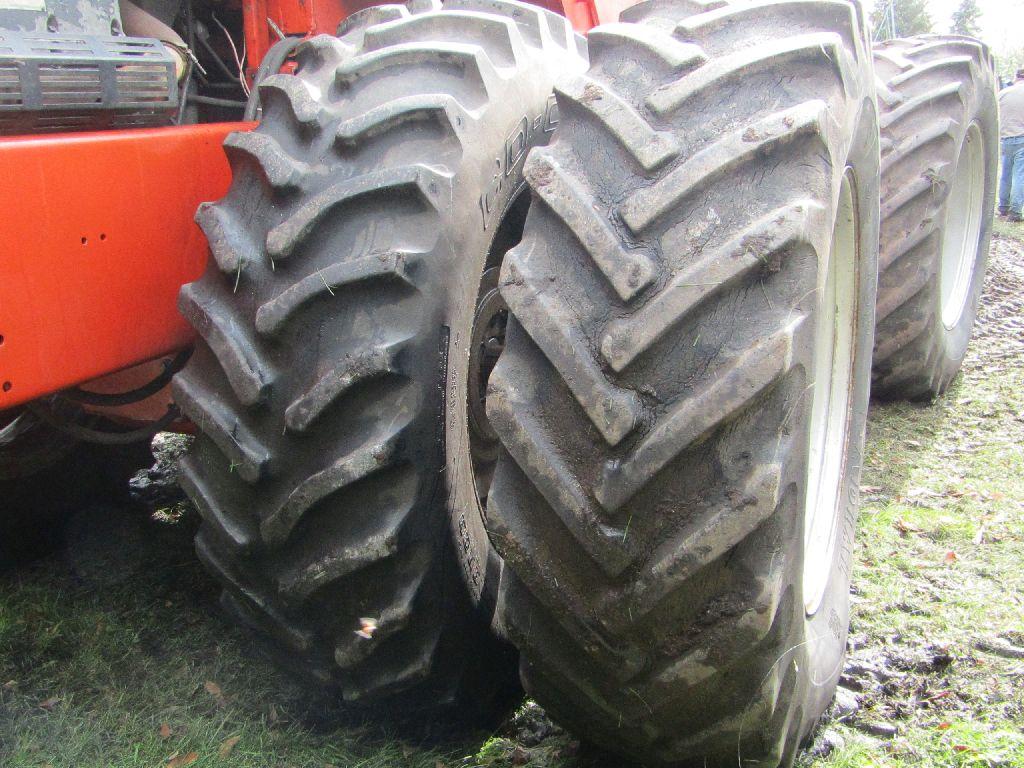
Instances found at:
x=626 y=339
x=909 y=107
x=317 y=381
x=250 y=376
x=736 y=385
x=355 y=369
x=933 y=87
x=251 y=601
x=440 y=108
x=241 y=532
x=369 y=17
x=321 y=52
x=276 y=527
x=292 y=92
x=651 y=148
x=247 y=454
x=942 y=130
x=230 y=245
x=477 y=67
x=649 y=204
x=628 y=271
x=743 y=64
x=526 y=443
x=637 y=530
x=676 y=56
x=393 y=619
x=614 y=411
x=897 y=248
x=281 y=170
x=283 y=239
x=712 y=537
x=275 y=313
x=503 y=47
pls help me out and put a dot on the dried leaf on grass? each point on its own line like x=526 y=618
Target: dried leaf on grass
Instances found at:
x=180 y=761
x=227 y=746
x=214 y=690
x=904 y=527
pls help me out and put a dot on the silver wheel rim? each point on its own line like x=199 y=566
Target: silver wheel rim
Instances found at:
x=963 y=227
x=832 y=379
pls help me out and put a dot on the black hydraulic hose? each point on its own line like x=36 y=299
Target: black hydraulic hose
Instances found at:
x=183 y=93
x=89 y=435
x=233 y=76
x=271 y=64
x=212 y=101
x=149 y=389
x=18 y=426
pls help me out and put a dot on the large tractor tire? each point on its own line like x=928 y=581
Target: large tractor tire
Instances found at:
x=682 y=397
x=335 y=318
x=45 y=477
x=940 y=160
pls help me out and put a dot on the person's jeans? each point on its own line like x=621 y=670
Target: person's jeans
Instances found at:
x=1011 y=182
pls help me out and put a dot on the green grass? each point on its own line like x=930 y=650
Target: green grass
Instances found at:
x=940 y=566
x=1008 y=229
x=119 y=655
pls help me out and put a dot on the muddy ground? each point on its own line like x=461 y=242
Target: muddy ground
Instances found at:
x=114 y=652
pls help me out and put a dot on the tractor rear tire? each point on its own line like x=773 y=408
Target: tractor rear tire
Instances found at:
x=346 y=260
x=940 y=146
x=675 y=499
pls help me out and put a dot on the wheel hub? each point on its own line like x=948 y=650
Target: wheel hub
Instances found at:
x=487 y=342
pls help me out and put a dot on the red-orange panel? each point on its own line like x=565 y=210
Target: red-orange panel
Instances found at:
x=96 y=237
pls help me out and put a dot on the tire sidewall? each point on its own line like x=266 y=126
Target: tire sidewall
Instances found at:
x=523 y=119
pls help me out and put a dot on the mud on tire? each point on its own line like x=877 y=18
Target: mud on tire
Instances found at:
x=669 y=305
x=344 y=256
x=940 y=143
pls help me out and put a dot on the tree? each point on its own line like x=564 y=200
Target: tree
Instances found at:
x=1008 y=61
x=965 y=19
x=901 y=18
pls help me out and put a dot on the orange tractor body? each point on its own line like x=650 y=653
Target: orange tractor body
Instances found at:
x=99 y=232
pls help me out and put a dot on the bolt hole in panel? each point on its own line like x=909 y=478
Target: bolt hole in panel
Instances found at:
x=72 y=311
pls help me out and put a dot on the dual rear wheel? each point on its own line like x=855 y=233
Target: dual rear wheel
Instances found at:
x=605 y=395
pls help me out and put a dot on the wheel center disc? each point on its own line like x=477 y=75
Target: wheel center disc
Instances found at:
x=486 y=344
x=832 y=378
x=963 y=228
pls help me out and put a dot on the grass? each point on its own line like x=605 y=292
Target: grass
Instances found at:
x=940 y=546
x=116 y=654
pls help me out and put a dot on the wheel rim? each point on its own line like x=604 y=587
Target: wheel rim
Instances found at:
x=487 y=342
x=964 y=208
x=832 y=372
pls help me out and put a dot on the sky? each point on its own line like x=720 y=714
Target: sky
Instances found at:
x=1002 y=21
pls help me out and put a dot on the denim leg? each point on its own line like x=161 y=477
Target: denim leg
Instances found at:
x=1006 y=177
x=1017 y=193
